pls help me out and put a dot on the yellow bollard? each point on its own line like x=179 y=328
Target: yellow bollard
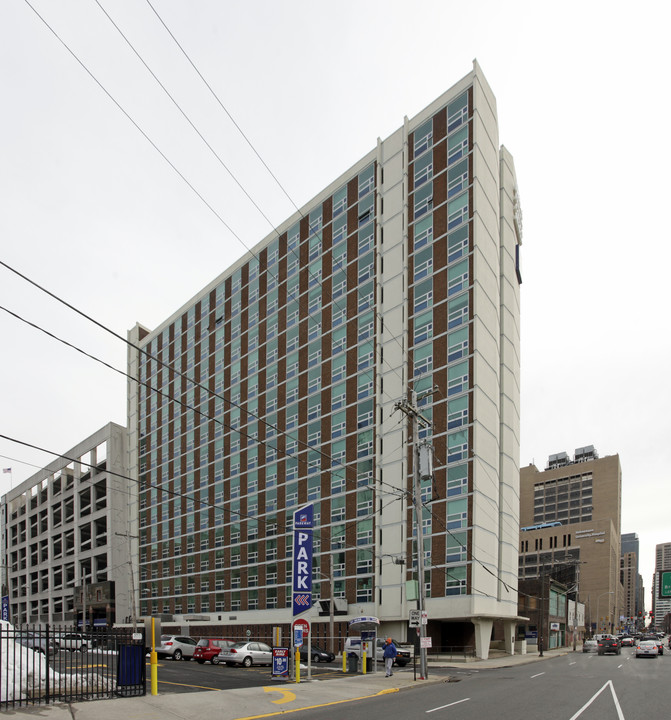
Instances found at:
x=153 y=662
x=298 y=665
x=363 y=662
x=344 y=661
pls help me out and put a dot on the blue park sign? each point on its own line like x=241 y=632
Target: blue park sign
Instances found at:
x=302 y=573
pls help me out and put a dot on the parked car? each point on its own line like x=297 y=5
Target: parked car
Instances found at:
x=209 y=649
x=35 y=642
x=590 y=646
x=177 y=647
x=317 y=654
x=647 y=648
x=403 y=657
x=247 y=654
x=608 y=644
x=74 y=641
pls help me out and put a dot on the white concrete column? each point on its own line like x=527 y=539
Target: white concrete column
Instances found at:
x=509 y=628
x=483 y=634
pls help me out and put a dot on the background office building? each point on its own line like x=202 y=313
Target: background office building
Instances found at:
x=633 y=605
x=661 y=602
x=570 y=529
x=280 y=382
x=68 y=529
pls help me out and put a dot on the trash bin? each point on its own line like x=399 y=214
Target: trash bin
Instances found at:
x=352 y=663
x=131 y=670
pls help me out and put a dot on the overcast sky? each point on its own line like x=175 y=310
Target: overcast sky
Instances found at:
x=90 y=210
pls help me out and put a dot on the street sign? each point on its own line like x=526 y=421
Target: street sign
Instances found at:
x=303 y=625
x=665 y=585
x=426 y=642
x=414 y=618
x=298 y=637
x=302 y=570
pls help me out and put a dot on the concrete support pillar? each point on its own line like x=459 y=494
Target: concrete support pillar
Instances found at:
x=483 y=634
x=509 y=629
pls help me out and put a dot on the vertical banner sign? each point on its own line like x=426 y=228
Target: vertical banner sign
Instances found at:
x=302 y=575
x=5 y=607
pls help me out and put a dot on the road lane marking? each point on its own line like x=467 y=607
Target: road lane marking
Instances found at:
x=287 y=695
x=572 y=663
x=442 y=707
x=536 y=675
x=595 y=696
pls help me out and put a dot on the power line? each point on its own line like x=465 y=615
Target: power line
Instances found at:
x=174 y=167
x=196 y=500
x=196 y=410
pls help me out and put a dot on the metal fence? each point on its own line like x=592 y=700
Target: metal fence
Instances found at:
x=42 y=665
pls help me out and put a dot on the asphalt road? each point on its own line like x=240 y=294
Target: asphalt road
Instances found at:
x=573 y=687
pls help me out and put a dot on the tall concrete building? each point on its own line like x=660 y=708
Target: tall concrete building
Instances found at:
x=570 y=516
x=661 y=599
x=279 y=385
x=632 y=607
x=71 y=528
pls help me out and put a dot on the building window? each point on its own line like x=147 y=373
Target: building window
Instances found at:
x=423 y=169
x=423 y=138
x=457 y=311
x=457 y=145
x=423 y=200
x=457 y=211
x=366 y=181
x=455 y=583
x=423 y=264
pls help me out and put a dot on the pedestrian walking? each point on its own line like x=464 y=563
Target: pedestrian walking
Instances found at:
x=389 y=654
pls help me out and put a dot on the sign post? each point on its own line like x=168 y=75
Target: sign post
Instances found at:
x=302 y=576
x=302 y=570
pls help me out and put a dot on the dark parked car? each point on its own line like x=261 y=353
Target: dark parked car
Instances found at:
x=317 y=654
x=608 y=644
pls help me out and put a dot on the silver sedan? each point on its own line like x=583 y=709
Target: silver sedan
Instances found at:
x=247 y=654
x=647 y=648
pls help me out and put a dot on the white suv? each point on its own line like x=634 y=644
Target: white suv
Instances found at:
x=177 y=647
x=403 y=656
x=73 y=641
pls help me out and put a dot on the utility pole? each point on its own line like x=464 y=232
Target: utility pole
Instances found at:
x=128 y=537
x=575 y=604
x=409 y=407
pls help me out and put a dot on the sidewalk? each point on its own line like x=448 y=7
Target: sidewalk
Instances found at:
x=275 y=698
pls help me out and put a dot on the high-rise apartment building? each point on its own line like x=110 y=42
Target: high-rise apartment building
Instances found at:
x=278 y=385
x=71 y=529
x=569 y=516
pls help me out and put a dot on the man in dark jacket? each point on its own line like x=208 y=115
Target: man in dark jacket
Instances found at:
x=389 y=654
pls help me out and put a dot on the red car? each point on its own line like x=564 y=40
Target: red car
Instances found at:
x=209 y=649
